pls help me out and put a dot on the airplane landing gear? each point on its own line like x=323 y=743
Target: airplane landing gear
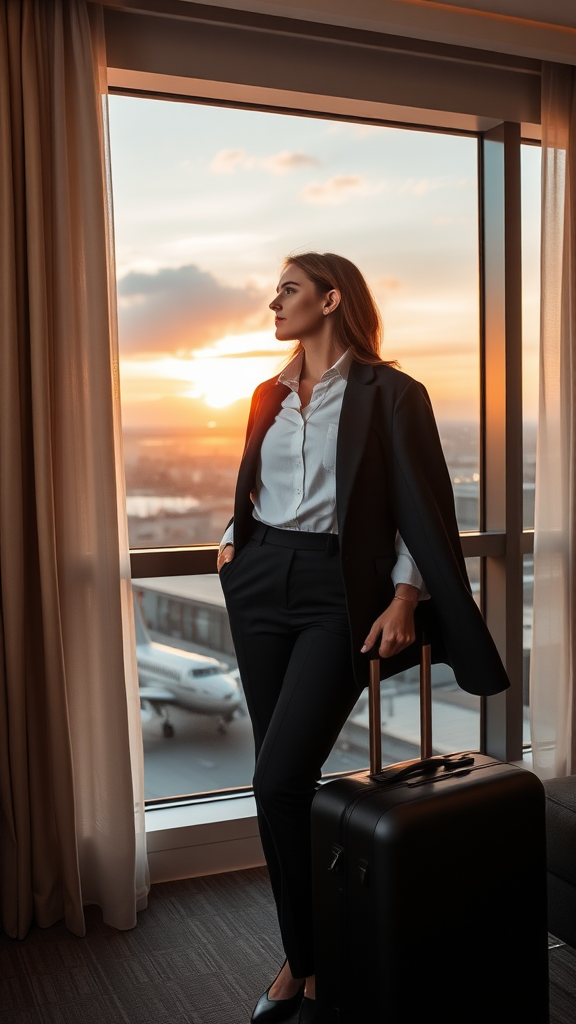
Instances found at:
x=224 y=722
x=163 y=713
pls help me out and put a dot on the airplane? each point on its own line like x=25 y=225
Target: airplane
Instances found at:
x=170 y=677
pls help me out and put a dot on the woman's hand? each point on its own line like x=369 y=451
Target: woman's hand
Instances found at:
x=226 y=555
x=396 y=624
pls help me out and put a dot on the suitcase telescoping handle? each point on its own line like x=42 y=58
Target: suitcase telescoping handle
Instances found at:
x=374 y=712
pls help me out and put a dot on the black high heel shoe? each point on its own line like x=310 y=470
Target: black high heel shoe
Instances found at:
x=275 y=1011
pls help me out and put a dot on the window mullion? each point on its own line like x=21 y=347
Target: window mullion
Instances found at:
x=502 y=424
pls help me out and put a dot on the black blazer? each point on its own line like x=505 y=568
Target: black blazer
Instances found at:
x=390 y=475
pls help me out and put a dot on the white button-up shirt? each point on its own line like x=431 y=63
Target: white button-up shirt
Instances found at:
x=296 y=480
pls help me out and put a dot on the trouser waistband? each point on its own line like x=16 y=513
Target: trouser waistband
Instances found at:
x=299 y=539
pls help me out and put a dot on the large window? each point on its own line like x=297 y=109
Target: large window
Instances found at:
x=207 y=202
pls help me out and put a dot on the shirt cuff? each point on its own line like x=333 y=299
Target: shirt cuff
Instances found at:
x=406 y=570
x=228 y=537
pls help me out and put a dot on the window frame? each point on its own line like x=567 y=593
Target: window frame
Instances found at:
x=216 y=832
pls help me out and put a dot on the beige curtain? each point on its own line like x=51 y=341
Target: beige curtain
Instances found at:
x=71 y=776
x=553 y=661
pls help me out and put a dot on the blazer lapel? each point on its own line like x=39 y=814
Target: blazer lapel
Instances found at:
x=353 y=430
x=266 y=413
x=267 y=410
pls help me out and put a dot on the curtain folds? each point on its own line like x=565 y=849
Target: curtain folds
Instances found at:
x=71 y=775
x=553 y=660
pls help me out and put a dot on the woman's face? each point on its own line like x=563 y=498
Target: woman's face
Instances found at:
x=300 y=310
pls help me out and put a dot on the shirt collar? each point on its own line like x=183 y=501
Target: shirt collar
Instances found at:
x=290 y=375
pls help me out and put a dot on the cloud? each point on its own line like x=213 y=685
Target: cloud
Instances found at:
x=228 y=161
x=183 y=309
x=285 y=161
x=338 y=189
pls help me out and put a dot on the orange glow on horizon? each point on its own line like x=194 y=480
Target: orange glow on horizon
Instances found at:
x=223 y=376
x=220 y=374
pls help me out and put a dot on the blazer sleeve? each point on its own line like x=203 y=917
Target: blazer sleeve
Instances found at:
x=426 y=518
x=424 y=498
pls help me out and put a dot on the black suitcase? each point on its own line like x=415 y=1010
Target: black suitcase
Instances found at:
x=429 y=882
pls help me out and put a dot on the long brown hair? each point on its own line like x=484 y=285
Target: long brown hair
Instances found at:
x=357 y=322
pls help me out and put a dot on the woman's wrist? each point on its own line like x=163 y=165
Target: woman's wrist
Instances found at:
x=408 y=594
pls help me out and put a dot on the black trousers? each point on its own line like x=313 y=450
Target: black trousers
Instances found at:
x=289 y=624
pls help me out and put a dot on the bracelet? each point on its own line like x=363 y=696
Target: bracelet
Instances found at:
x=405 y=599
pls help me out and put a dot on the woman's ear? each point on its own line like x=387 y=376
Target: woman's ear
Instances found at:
x=332 y=300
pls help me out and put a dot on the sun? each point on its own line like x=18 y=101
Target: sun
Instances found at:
x=218 y=374
x=233 y=367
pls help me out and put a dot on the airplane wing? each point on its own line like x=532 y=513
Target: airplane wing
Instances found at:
x=157 y=695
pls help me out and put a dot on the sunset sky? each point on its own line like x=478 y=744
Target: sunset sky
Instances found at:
x=208 y=200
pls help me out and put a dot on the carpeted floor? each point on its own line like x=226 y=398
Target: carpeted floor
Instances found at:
x=202 y=953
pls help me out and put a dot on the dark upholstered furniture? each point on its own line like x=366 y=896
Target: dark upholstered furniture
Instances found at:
x=561 y=840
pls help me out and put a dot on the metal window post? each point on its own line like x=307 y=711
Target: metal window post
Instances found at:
x=501 y=434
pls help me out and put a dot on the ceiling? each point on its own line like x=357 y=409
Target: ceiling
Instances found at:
x=551 y=12
x=540 y=29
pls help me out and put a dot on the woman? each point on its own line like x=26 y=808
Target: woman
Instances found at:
x=343 y=499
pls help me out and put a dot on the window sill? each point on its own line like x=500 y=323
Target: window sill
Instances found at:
x=203 y=838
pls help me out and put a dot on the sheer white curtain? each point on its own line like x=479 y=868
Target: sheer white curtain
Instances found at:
x=553 y=661
x=71 y=765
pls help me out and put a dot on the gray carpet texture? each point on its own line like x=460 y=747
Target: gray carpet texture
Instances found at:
x=201 y=954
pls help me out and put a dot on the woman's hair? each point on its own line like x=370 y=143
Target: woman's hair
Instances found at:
x=356 y=321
